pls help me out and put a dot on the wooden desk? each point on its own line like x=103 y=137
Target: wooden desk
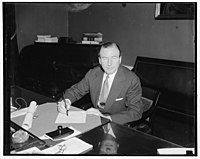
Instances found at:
x=47 y=114
x=131 y=142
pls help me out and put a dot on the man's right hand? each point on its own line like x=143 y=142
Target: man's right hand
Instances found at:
x=62 y=107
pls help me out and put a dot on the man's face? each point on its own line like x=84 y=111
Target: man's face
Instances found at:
x=109 y=59
x=108 y=147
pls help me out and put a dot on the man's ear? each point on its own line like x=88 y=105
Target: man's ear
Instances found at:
x=99 y=60
x=120 y=59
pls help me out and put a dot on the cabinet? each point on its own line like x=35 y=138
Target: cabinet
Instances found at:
x=50 y=68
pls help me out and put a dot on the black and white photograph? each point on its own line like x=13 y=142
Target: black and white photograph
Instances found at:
x=99 y=79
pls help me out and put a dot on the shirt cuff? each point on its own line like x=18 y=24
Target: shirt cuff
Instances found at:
x=67 y=100
x=108 y=117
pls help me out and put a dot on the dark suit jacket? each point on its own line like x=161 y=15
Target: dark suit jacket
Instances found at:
x=123 y=103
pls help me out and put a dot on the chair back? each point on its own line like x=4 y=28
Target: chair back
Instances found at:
x=150 y=98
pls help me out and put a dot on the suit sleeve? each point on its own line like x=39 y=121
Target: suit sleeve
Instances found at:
x=79 y=89
x=133 y=104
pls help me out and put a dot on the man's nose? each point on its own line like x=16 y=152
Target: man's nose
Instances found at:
x=109 y=62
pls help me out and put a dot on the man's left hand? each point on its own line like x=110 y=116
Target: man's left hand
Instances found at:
x=98 y=113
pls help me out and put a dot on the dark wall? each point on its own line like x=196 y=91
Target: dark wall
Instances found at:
x=135 y=29
x=40 y=19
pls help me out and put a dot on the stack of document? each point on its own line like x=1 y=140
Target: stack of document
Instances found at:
x=92 y=38
x=46 y=38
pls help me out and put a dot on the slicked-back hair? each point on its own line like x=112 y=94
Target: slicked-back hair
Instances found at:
x=108 y=45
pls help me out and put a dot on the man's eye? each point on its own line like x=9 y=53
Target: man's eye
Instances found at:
x=103 y=58
x=114 y=58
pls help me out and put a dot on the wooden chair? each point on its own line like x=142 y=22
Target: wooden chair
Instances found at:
x=150 y=98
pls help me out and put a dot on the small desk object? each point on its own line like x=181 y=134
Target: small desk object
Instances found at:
x=32 y=141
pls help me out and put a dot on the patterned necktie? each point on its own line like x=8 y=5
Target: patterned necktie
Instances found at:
x=104 y=92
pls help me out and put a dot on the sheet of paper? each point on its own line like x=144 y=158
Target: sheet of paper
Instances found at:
x=71 y=146
x=174 y=151
x=19 y=113
x=72 y=117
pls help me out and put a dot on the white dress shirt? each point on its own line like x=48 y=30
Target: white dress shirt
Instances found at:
x=110 y=81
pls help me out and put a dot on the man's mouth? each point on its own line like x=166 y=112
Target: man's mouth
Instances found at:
x=109 y=68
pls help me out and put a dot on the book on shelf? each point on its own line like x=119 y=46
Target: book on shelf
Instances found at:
x=90 y=42
x=92 y=38
x=46 y=39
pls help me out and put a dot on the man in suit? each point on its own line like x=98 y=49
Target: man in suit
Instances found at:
x=122 y=102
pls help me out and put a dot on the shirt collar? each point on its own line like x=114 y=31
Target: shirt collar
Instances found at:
x=111 y=75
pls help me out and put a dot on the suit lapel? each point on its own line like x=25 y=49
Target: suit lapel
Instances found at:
x=115 y=88
x=97 y=86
